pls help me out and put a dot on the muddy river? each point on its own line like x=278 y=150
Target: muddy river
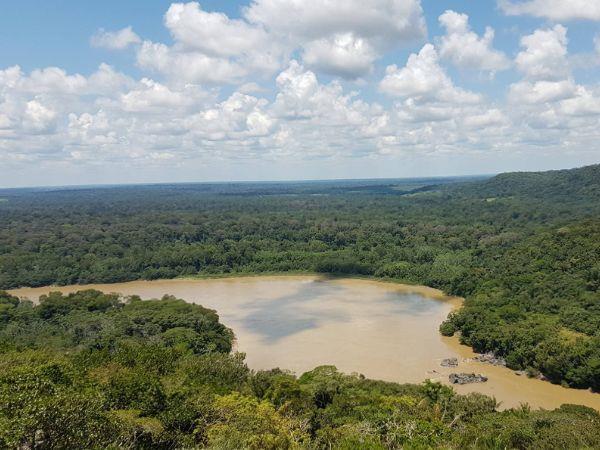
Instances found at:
x=382 y=330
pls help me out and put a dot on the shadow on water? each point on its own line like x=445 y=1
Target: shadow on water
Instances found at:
x=311 y=306
x=277 y=318
x=408 y=304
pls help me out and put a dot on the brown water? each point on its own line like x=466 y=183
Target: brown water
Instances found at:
x=382 y=330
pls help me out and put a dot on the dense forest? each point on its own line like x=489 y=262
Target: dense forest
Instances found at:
x=92 y=370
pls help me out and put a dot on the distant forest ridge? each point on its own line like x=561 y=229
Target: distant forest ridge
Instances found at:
x=503 y=183
x=393 y=185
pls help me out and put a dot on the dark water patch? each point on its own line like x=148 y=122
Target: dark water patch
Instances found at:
x=280 y=317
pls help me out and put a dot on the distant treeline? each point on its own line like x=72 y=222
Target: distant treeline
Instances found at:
x=522 y=248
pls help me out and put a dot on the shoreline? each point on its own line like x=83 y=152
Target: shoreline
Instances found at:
x=427 y=291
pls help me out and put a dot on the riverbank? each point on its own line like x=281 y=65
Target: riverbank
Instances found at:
x=438 y=294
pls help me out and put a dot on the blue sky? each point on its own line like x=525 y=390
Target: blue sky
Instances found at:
x=151 y=91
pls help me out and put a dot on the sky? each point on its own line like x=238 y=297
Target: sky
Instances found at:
x=153 y=91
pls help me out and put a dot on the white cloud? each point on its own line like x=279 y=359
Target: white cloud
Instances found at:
x=466 y=49
x=239 y=116
x=557 y=10
x=545 y=54
x=211 y=48
x=548 y=99
x=490 y=118
x=584 y=103
x=313 y=19
x=343 y=54
x=107 y=81
x=542 y=91
x=319 y=120
x=38 y=118
x=115 y=40
x=55 y=81
x=192 y=67
x=425 y=79
x=151 y=96
x=10 y=76
x=296 y=87
x=341 y=37
x=213 y=33
x=301 y=97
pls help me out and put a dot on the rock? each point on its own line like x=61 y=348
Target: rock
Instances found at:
x=490 y=358
x=542 y=377
x=449 y=362
x=466 y=378
x=520 y=373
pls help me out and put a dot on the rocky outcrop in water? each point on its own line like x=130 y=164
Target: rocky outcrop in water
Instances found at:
x=466 y=378
x=449 y=362
x=490 y=358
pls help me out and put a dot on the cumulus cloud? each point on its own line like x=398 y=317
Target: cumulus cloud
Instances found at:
x=212 y=33
x=152 y=96
x=544 y=54
x=115 y=40
x=341 y=37
x=584 y=103
x=55 y=81
x=543 y=63
x=240 y=116
x=38 y=118
x=313 y=19
x=548 y=98
x=541 y=91
x=425 y=79
x=190 y=67
x=343 y=54
x=321 y=120
x=557 y=10
x=425 y=95
x=211 y=48
x=464 y=48
x=487 y=119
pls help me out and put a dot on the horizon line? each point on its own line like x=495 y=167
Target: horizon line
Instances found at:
x=225 y=182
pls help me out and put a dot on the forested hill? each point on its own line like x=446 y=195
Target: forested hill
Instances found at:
x=523 y=248
x=556 y=184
